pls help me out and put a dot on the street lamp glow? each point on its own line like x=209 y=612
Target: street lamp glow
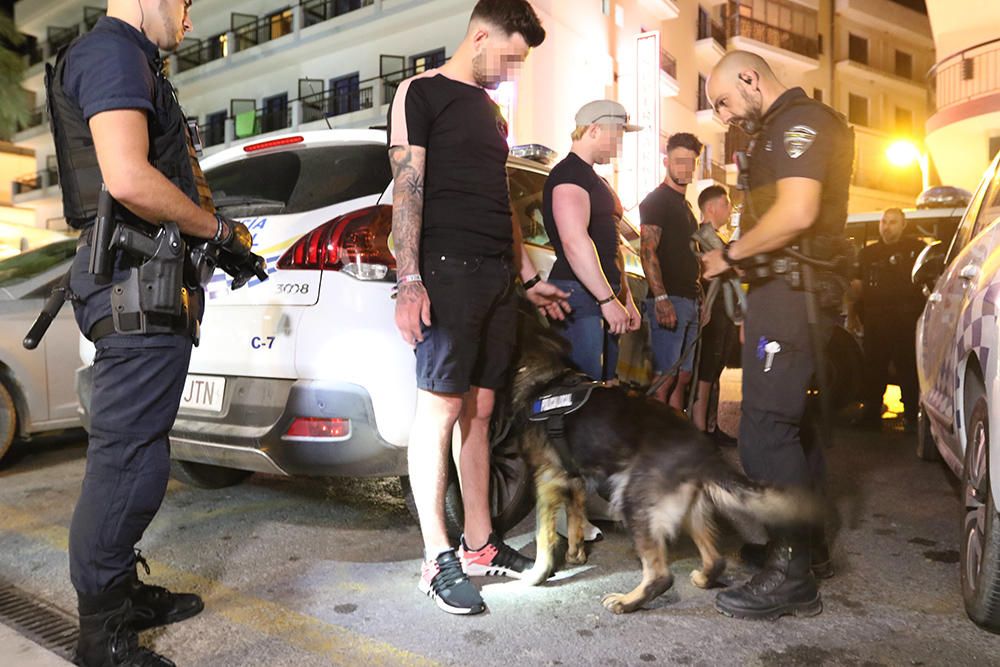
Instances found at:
x=902 y=153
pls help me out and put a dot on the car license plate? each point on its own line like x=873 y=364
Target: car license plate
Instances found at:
x=203 y=392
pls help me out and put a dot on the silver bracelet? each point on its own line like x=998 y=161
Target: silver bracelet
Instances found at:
x=662 y=297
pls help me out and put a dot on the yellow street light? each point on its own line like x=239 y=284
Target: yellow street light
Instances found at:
x=903 y=153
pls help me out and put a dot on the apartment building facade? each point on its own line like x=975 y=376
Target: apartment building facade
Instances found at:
x=277 y=67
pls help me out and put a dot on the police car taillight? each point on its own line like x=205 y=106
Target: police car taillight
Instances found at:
x=308 y=429
x=356 y=243
x=273 y=143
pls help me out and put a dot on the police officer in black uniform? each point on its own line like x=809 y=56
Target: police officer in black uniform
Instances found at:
x=799 y=168
x=116 y=121
x=889 y=306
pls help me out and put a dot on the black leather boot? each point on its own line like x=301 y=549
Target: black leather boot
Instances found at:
x=785 y=585
x=107 y=639
x=755 y=555
x=163 y=607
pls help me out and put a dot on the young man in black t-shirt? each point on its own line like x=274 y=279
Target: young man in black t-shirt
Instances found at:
x=455 y=244
x=581 y=214
x=672 y=269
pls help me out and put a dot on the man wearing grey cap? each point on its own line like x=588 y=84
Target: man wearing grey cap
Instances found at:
x=581 y=214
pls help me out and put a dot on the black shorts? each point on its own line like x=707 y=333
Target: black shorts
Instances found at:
x=473 y=324
x=717 y=340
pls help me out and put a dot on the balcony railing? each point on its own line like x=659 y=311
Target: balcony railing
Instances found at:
x=317 y=11
x=36 y=118
x=742 y=26
x=736 y=140
x=966 y=75
x=262 y=30
x=713 y=170
x=668 y=63
x=330 y=103
x=35 y=181
x=199 y=52
x=708 y=29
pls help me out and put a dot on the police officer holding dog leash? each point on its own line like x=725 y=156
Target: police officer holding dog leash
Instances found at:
x=127 y=159
x=799 y=171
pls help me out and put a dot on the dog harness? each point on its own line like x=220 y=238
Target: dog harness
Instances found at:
x=565 y=395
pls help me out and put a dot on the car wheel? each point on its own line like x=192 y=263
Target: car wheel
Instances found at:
x=512 y=492
x=206 y=476
x=926 y=449
x=980 y=552
x=8 y=420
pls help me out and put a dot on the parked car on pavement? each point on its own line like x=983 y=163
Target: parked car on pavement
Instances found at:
x=958 y=362
x=36 y=386
x=306 y=373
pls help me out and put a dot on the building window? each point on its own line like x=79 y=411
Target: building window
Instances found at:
x=425 y=61
x=781 y=23
x=275 y=113
x=606 y=7
x=857 y=49
x=857 y=109
x=904 y=65
x=344 y=94
x=818 y=94
x=703 y=102
x=214 y=132
x=904 y=121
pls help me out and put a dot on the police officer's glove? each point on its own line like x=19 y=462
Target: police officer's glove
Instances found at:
x=232 y=237
x=243 y=269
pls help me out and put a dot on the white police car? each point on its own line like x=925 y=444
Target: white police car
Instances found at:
x=306 y=373
x=958 y=361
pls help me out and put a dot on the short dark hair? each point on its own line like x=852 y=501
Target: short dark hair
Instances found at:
x=512 y=16
x=684 y=140
x=710 y=193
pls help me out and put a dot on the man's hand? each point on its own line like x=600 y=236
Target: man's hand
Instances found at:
x=549 y=299
x=616 y=315
x=233 y=237
x=413 y=307
x=634 y=318
x=713 y=264
x=666 y=316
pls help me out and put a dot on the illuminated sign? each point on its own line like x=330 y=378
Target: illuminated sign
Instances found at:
x=647 y=86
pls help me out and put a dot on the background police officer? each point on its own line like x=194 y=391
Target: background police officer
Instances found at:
x=116 y=120
x=889 y=306
x=799 y=176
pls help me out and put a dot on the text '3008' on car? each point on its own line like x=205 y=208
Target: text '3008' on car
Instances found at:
x=306 y=373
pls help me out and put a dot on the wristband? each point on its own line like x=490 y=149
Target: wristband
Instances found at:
x=608 y=300
x=531 y=282
x=409 y=278
x=219 y=229
x=662 y=297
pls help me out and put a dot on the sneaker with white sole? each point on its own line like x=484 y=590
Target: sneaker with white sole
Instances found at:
x=443 y=580
x=495 y=559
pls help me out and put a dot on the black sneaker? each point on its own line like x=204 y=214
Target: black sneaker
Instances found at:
x=163 y=607
x=495 y=559
x=443 y=580
x=107 y=639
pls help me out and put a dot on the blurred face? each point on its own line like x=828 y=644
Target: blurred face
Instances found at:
x=168 y=23
x=498 y=57
x=891 y=227
x=718 y=211
x=680 y=164
x=608 y=138
x=737 y=101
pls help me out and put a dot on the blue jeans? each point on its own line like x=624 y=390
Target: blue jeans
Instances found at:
x=592 y=349
x=669 y=344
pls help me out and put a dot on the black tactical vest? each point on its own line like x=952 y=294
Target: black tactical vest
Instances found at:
x=79 y=173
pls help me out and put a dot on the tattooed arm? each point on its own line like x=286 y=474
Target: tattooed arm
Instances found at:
x=413 y=306
x=650 y=241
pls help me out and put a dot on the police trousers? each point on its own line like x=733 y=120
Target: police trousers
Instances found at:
x=889 y=339
x=137 y=386
x=778 y=443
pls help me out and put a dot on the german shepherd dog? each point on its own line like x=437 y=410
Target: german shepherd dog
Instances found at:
x=664 y=473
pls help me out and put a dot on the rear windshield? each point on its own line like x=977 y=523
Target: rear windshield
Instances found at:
x=294 y=181
x=29 y=264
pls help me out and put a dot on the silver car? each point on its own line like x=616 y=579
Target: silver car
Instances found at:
x=36 y=386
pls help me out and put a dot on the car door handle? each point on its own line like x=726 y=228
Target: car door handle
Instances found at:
x=935 y=297
x=968 y=272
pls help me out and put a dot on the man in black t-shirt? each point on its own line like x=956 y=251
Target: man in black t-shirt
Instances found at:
x=455 y=244
x=671 y=269
x=890 y=306
x=581 y=214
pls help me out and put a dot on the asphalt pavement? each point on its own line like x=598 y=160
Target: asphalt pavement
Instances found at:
x=320 y=572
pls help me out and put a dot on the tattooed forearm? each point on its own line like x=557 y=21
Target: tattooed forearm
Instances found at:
x=407 y=205
x=650 y=241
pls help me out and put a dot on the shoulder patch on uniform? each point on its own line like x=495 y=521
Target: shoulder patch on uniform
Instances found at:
x=798 y=139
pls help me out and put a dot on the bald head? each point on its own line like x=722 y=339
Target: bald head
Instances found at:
x=742 y=87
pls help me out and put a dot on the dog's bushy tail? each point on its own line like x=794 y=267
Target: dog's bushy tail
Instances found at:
x=734 y=494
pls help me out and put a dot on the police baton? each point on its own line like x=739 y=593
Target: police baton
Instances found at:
x=49 y=311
